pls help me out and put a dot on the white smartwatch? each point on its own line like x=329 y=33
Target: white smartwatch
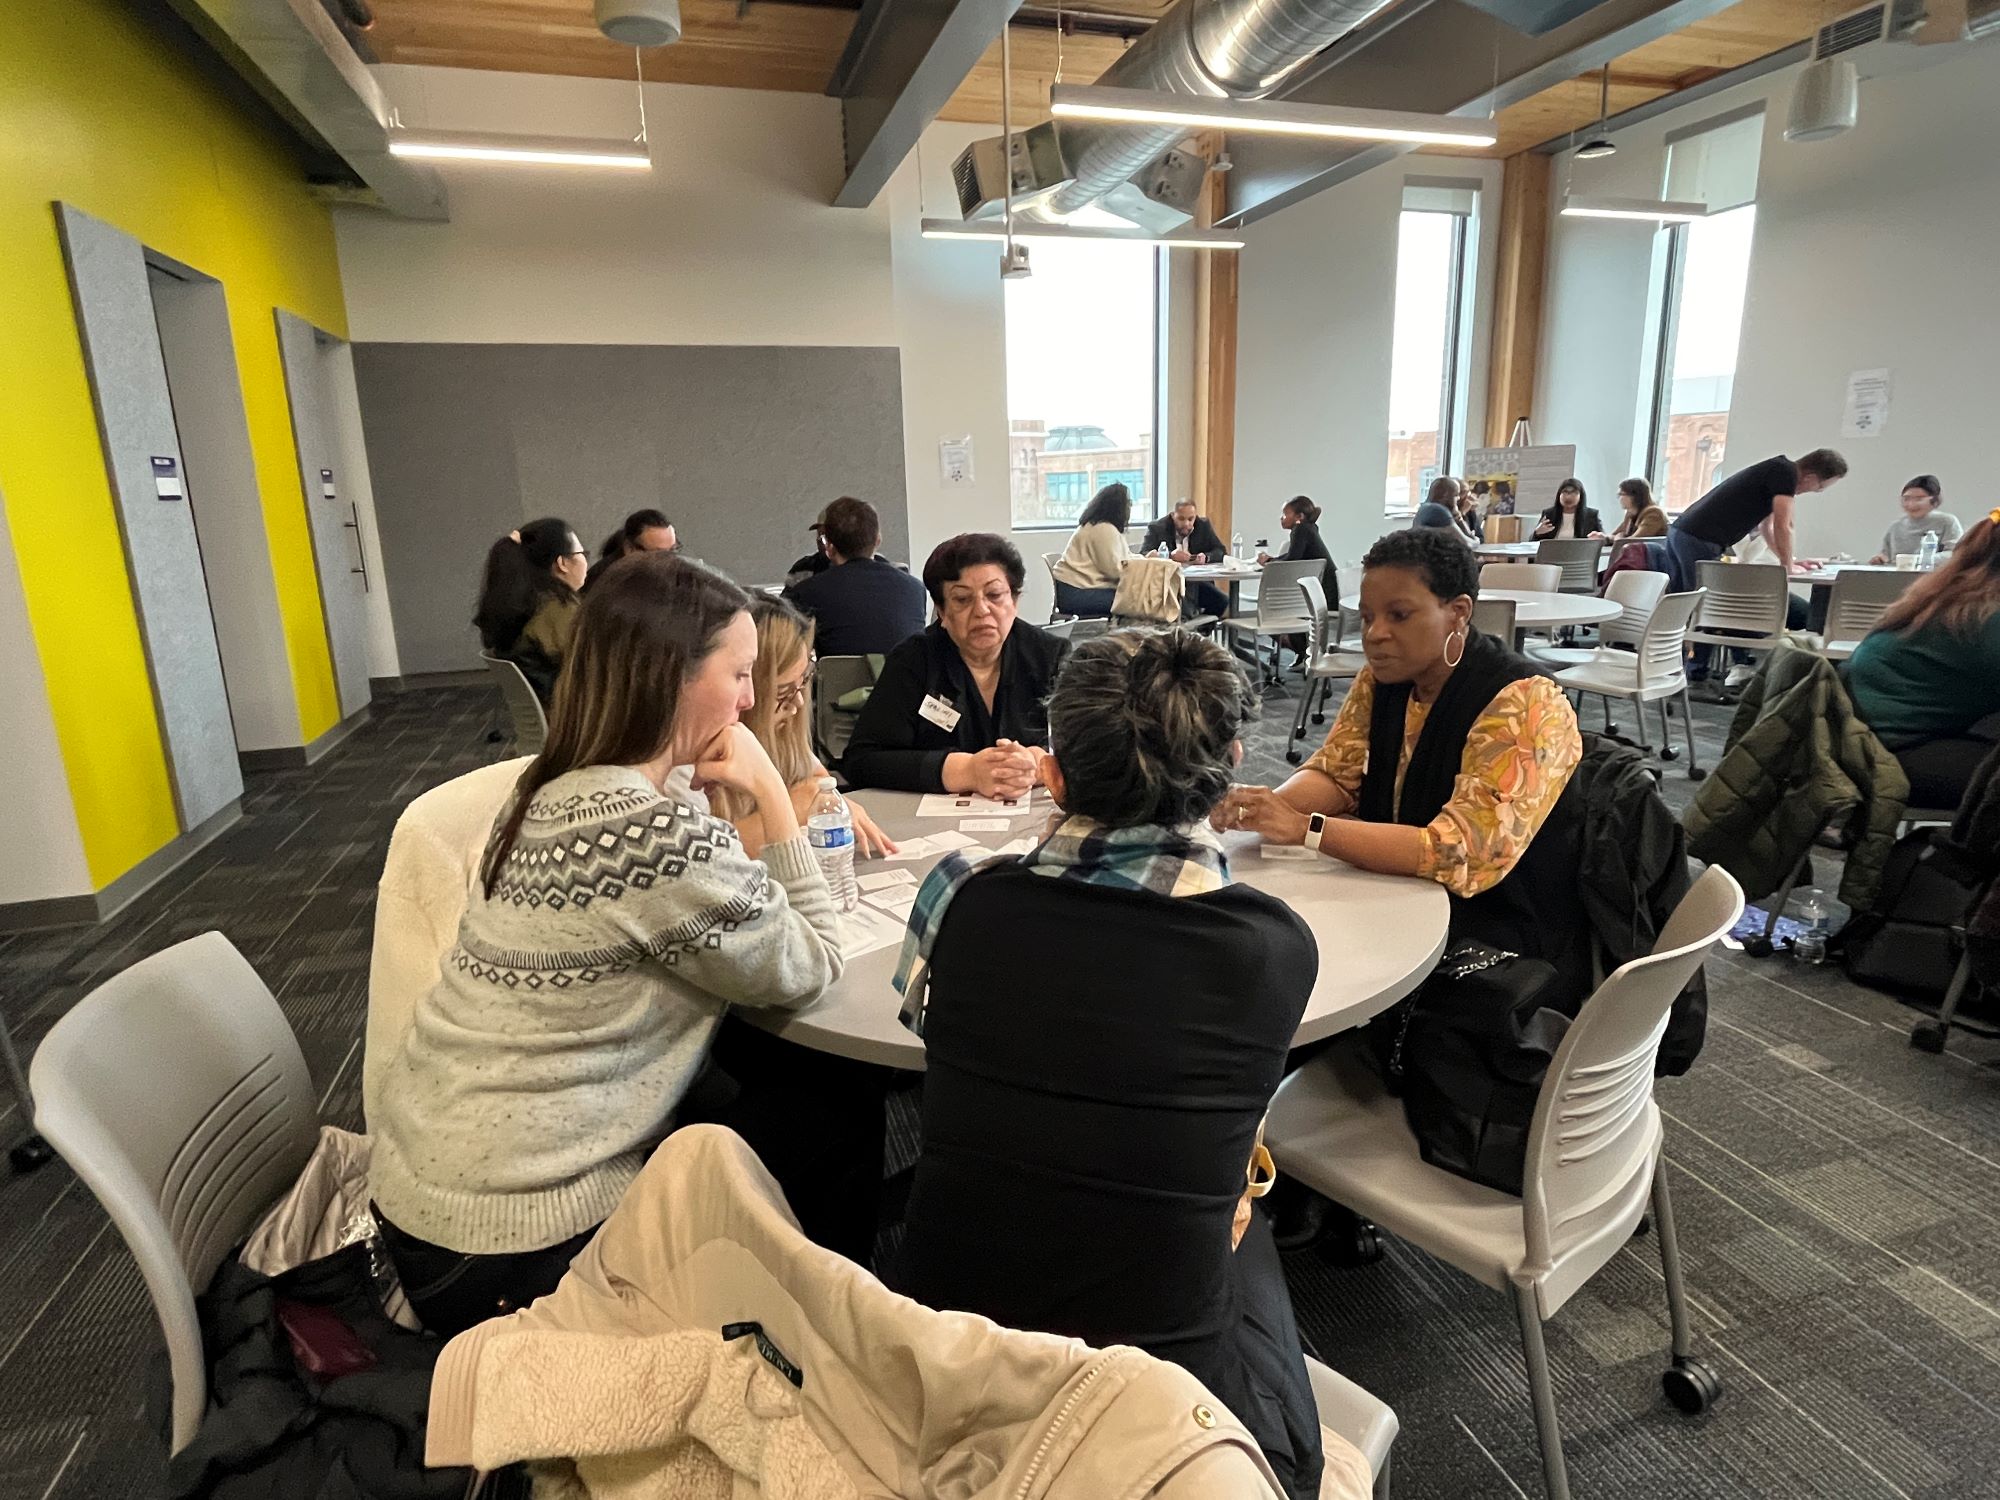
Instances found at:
x=1315 y=830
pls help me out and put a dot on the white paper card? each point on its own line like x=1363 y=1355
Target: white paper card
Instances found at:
x=969 y=805
x=950 y=839
x=866 y=929
x=882 y=879
x=1016 y=846
x=984 y=825
x=898 y=901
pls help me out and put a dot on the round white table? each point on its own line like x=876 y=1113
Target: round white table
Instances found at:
x=1508 y=551
x=1231 y=573
x=1378 y=936
x=1535 y=610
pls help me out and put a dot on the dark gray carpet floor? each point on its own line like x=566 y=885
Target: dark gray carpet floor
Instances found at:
x=1838 y=1194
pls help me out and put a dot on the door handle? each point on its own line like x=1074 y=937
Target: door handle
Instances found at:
x=360 y=553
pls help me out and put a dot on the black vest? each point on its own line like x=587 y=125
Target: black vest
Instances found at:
x=1535 y=911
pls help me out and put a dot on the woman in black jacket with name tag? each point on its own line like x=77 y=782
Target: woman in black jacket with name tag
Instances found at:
x=959 y=706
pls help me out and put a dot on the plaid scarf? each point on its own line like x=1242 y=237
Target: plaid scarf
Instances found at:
x=1149 y=857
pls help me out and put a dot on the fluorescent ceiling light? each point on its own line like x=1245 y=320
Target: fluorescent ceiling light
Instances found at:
x=990 y=229
x=1655 y=210
x=543 y=151
x=1117 y=106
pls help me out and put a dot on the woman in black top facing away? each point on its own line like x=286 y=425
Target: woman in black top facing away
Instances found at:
x=1105 y=1020
x=958 y=707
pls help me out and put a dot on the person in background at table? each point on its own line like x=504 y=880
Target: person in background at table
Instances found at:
x=578 y=1003
x=1087 y=574
x=959 y=706
x=528 y=600
x=1448 y=761
x=1185 y=533
x=1926 y=679
x=1503 y=498
x=1444 y=509
x=643 y=531
x=1300 y=522
x=781 y=720
x=1759 y=498
x=1570 y=518
x=1101 y=1046
x=1641 y=517
x=815 y=561
x=1921 y=498
x=864 y=605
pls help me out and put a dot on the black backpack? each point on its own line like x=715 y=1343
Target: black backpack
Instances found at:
x=1911 y=941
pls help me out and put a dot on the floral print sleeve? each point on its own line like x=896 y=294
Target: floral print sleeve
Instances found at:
x=1518 y=758
x=1344 y=756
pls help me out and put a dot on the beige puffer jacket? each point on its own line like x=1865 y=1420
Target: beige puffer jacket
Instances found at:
x=701 y=1346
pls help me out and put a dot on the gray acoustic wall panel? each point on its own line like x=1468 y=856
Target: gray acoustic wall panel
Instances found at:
x=741 y=446
x=135 y=416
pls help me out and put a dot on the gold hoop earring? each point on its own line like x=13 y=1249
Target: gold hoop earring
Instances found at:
x=1459 y=636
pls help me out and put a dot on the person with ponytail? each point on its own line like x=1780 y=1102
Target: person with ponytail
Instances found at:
x=528 y=599
x=1927 y=678
x=1300 y=520
x=613 y=922
x=1105 y=1019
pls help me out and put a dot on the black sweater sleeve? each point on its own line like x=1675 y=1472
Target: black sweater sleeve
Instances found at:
x=884 y=751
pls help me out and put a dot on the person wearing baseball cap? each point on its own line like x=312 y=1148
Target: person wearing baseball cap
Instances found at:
x=815 y=561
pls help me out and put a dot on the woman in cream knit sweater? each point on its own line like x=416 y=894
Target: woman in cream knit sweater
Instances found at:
x=1087 y=575
x=614 y=921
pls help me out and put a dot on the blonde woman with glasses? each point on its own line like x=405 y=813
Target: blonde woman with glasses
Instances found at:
x=781 y=719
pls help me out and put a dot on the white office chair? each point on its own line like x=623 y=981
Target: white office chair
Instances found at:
x=1854 y=605
x=1540 y=578
x=1577 y=561
x=1049 y=561
x=835 y=678
x=1280 y=606
x=1495 y=617
x=177 y=1092
x=531 y=723
x=1325 y=665
x=1363 y=1419
x=1654 y=673
x=1743 y=606
x=1593 y=1160
x=1636 y=592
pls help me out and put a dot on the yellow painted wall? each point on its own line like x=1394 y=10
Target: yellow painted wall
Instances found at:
x=98 y=108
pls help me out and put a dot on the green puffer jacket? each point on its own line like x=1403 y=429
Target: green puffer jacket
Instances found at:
x=1798 y=758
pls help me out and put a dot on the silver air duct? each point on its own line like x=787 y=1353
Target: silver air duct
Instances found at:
x=1238 y=49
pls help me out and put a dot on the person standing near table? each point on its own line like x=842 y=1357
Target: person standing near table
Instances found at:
x=1105 y=1020
x=1185 y=533
x=1921 y=517
x=1448 y=761
x=959 y=706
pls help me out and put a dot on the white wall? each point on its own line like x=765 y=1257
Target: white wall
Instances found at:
x=1315 y=320
x=728 y=240
x=40 y=809
x=1871 y=250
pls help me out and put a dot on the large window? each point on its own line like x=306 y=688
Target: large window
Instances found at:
x=1082 y=378
x=1705 y=273
x=1427 y=366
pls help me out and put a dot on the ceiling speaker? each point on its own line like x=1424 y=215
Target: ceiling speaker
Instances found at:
x=640 y=23
x=1825 y=100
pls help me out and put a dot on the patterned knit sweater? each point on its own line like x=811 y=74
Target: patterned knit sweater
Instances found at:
x=577 y=1006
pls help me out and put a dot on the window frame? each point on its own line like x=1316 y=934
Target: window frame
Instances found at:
x=1144 y=510
x=1455 y=382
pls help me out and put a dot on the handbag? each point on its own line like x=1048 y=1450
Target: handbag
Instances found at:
x=1467 y=1055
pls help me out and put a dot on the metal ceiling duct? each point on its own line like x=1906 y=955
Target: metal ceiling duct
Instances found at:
x=1237 y=49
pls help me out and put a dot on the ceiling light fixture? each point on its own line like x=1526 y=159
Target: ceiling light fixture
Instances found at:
x=1600 y=144
x=1655 y=210
x=1119 y=106
x=544 y=151
x=983 y=229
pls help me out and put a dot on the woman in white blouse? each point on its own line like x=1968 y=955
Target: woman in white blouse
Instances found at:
x=1087 y=576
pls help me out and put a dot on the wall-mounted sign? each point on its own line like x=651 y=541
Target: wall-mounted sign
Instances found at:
x=167 y=478
x=955 y=461
x=1866 y=413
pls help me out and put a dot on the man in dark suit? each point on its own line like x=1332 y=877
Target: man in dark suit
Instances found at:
x=1188 y=538
x=864 y=605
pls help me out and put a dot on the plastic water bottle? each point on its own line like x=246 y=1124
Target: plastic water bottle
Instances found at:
x=1927 y=552
x=1165 y=551
x=1236 y=546
x=1809 y=947
x=830 y=830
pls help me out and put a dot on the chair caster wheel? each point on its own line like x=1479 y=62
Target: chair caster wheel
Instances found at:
x=31 y=1154
x=1691 y=1386
x=1319 y=718
x=1757 y=947
x=1644 y=1226
x=1670 y=753
x=1927 y=1036
x=1357 y=1244
x=1696 y=775
x=1295 y=756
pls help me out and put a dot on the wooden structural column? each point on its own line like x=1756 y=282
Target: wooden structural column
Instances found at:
x=1517 y=299
x=1215 y=370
